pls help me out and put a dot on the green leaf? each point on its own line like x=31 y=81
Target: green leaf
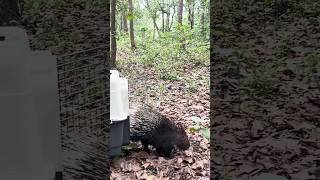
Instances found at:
x=205 y=132
x=196 y=119
x=130 y=16
x=195 y=128
x=129 y=146
x=143 y=29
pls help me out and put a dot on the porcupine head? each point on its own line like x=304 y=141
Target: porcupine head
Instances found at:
x=170 y=138
x=182 y=141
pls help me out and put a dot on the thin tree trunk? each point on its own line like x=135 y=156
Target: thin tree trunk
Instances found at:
x=133 y=44
x=202 y=23
x=180 y=16
x=174 y=12
x=121 y=23
x=125 y=22
x=113 y=50
x=162 y=21
x=167 y=21
x=180 y=12
x=155 y=25
x=191 y=14
x=154 y=16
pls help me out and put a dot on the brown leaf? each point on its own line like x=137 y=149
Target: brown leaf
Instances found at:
x=197 y=107
x=145 y=165
x=188 y=153
x=189 y=160
x=139 y=174
x=136 y=167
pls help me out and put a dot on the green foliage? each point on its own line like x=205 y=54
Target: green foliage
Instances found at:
x=311 y=66
x=205 y=132
x=33 y=5
x=143 y=29
x=126 y=149
x=162 y=88
x=260 y=85
x=313 y=60
x=191 y=85
x=166 y=54
x=169 y=51
x=130 y=16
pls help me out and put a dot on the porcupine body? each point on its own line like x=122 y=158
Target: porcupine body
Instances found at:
x=152 y=128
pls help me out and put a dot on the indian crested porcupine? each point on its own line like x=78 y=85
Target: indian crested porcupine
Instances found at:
x=152 y=128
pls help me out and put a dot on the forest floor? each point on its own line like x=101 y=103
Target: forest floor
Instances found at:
x=266 y=91
x=180 y=103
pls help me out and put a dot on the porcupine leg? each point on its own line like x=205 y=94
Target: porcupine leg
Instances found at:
x=166 y=152
x=145 y=146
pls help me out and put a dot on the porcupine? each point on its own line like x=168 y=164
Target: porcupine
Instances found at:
x=152 y=128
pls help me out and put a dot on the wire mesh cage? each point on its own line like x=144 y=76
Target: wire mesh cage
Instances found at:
x=83 y=84
x=82 y=81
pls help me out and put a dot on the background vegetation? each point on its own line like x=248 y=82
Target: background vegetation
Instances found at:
x=166 y=34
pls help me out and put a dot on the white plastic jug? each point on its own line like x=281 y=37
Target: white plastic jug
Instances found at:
x=119 y=99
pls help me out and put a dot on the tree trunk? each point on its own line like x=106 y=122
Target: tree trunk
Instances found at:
x=202 y=23
x=180 y=16
x=125 y=22
x=155 y=25
x=9 y=10
x=174 y=12
x=113 y=48
x=167 y=21
x=180 y=12
x=121 y=23
x=154 y=16
x=191 y=14
x=133 y=44
x=162 y=21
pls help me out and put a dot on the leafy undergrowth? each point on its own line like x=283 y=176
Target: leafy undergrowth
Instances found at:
x=169 y=53
x=185 y=100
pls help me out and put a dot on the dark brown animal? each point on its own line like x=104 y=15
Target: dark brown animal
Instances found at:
x=152 y=128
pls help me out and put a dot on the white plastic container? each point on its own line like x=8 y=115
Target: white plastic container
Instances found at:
x=119 y=111
x=119 y=101
x=21 y=154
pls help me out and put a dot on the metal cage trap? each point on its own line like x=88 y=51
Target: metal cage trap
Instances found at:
x=83 y=84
